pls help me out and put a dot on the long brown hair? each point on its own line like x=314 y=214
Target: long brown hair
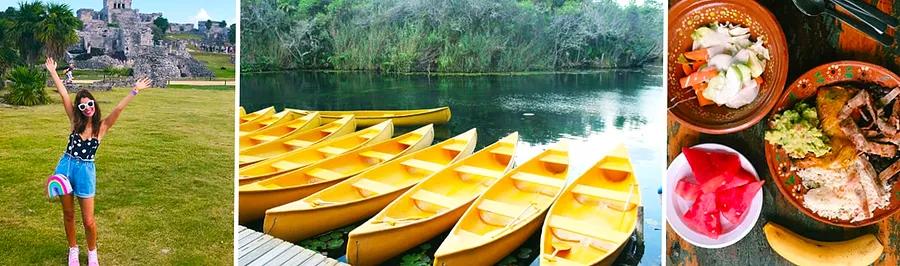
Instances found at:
x=80 y=119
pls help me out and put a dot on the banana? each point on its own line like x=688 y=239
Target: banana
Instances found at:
x=863 y=250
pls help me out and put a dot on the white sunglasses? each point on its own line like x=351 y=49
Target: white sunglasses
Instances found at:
x=85 y=105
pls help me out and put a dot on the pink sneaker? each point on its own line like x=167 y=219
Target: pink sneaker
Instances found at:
x=92 y=258
x=73 y=256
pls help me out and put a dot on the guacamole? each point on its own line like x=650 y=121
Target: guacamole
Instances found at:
x=796 y=130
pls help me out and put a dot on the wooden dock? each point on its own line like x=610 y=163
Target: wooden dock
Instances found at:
x=255 y=248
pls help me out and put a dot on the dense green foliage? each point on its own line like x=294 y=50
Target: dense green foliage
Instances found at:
x=160 y=26
x=232 y=33
x=27 y=86
x=36 y=29
x=449 y=36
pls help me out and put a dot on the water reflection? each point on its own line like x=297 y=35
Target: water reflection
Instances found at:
x=589 y=110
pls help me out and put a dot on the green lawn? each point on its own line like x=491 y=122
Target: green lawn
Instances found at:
x=208 y=87
x=183 y=36
x=164 y=181
x=215 y=63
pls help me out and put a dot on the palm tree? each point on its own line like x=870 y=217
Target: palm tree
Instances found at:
x=57 y=29
x=24 y=25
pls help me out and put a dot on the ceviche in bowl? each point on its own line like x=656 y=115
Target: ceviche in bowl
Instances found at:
x=727 y=64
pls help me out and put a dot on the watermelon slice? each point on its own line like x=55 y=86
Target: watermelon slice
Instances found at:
x=703 y=217
x=727 y=180
x=707 y=164
x=733 y=203
x=687 y=190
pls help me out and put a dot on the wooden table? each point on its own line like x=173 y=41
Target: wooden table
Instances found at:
x=812 y=41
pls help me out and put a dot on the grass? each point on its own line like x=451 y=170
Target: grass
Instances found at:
x=220 y=64
x=88 y=74
x=164 y=181
x=183 y=36
x=209 y=87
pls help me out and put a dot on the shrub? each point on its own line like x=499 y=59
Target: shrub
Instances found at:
x=28 y=86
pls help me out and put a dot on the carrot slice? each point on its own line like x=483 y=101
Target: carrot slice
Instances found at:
x=698 y=65
x=698 y=77
x=759 y=81
x=687 y=69
x=698 y=89
x=698 y=55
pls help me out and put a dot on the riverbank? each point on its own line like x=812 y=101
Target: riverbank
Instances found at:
x=164 y=181
x=653 y=67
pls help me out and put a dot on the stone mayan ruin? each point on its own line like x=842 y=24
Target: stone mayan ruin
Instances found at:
x=119 y=36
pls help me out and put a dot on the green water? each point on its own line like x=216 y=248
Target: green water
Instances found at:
x=589 y=110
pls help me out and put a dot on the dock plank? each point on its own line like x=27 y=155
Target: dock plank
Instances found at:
x=255 y=248
x=251 y=255
x=268 y=255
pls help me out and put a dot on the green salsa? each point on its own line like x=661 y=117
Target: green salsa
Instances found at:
x=796 y=131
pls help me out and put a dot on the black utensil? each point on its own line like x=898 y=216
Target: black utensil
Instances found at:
x=872 y=11
x=818 y=7
x=862 y=15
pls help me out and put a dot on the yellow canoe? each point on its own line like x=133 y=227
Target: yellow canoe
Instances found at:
x=431 y=207
x=275 y=119
x=279 y=129
x=258 y=115
x=297 y=159
x=507 y=213
x=255 y=198
x=294 y=141
x=242 y=112
x=401 y=118
x=594 y=216
x=365 y=194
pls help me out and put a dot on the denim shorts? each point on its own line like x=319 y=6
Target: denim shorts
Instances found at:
x=80 y=173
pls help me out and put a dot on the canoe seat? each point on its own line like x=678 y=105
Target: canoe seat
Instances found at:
x=466 y=234
x=264 y=138
x=615 y=164
x=504 y=150
x=457 y=146
x=326 y=174
x=411 y=140
x=332 y=150
x=587 y=229
x=298 y=143
x=479 y=171
x=539 y=179
x=286 y=165
x=377 y=155
x=298 y=124
x=374 y=186
x=556 y=159
x=434 y=198
x=612 y=196
x=422 y=164
x=370 y=134
x=249 y=158
x=501 y=208
x=331 y=129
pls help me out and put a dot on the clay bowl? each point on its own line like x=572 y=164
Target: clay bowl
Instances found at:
x=684 y=18
x=805 y=87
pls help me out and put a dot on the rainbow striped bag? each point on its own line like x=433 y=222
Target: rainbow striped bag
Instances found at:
x=58 y=185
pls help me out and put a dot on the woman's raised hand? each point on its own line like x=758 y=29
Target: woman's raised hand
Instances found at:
x=50 y=65
x=142 y=84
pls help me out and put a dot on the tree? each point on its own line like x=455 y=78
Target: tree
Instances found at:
x=57 y=29
x=232 y=33
x=160 y=26
x=222 y=24
x=24 y=23
x=208 y=24
x=162 y=23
